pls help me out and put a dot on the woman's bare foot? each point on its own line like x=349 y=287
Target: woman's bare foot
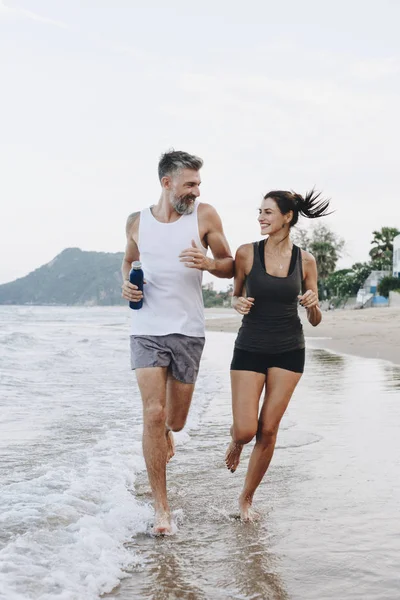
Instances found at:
x=170 y=445
x=247 y=513
x=232 y=456
x=162 y=523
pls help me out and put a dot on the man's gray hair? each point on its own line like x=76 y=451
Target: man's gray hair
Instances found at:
x=175 y=160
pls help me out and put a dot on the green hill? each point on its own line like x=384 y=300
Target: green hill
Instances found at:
x=75 y=277
x=72 y=277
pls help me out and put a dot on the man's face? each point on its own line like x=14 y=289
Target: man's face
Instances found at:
x=185 y=188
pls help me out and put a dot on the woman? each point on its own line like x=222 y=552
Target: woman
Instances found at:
x=271 y=277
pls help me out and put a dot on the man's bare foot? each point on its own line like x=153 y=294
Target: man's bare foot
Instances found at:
x=170 y=445
x=162 y=523
x=232 y=456
x=247 y=513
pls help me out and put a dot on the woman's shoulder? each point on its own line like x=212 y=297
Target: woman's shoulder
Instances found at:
x=307 y=257
x=244 y=251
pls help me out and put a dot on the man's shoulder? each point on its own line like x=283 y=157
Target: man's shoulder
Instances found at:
x=135 y=215
x=132 y=221
x=206 y=209
x=207 y=212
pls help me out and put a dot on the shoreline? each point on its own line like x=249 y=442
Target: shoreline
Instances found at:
x=369 y=333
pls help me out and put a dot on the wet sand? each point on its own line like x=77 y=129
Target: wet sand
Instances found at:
x=370 y=333
x=329 y=503
x=75 y=500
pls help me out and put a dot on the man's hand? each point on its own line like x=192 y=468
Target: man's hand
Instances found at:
x=131 y=292
x=309 y=299
x=194 y=258
x=242 y=305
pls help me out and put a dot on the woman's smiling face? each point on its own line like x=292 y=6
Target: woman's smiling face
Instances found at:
x=270 y=217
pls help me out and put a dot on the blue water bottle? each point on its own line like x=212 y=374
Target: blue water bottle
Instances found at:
x=136 y=277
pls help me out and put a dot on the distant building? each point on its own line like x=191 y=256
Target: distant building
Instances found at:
x=373 y=280
x=396 y=256
x=368 y=294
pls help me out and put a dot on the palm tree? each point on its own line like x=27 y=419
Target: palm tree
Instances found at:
x=382 y=250
x=326 y=257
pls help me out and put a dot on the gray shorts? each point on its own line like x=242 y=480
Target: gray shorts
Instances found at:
x=180 y=353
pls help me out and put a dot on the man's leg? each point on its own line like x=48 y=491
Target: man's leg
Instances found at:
x=152 y=383
x=186 y=353
x=179 y=397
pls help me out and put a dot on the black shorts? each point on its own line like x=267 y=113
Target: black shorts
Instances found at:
x=260 y=362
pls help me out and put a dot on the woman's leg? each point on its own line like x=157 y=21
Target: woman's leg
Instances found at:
x=247 y=387
x=279 y=389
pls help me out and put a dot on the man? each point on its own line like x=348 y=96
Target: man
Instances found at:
x=171 y=240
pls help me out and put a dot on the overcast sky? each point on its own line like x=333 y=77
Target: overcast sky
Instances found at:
x=272 y=95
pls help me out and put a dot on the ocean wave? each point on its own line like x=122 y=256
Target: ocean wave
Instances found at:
x=72 y=524
x=19 y=339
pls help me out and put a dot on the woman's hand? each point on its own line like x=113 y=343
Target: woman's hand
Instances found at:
x=242 y=305
x=309 y=299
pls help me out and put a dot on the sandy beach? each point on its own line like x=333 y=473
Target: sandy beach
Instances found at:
x=75 y=499
x=370 y=333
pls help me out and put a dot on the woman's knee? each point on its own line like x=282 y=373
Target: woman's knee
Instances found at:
x=267 y=433
x=243 y=435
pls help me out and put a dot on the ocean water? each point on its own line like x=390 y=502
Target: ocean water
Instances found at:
x=75 y=506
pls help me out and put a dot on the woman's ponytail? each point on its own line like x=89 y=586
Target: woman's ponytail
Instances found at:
x=311 y=205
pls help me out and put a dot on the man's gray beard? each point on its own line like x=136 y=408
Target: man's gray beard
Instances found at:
x=182 y=207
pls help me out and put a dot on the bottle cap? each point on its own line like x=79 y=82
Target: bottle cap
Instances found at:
x=136 y=264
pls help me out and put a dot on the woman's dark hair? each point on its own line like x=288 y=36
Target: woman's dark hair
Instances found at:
x=311 y=206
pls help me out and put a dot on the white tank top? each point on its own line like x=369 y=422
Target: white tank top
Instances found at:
x=173 y=301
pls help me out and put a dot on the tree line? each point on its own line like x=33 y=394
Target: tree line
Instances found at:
x=327 y=248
